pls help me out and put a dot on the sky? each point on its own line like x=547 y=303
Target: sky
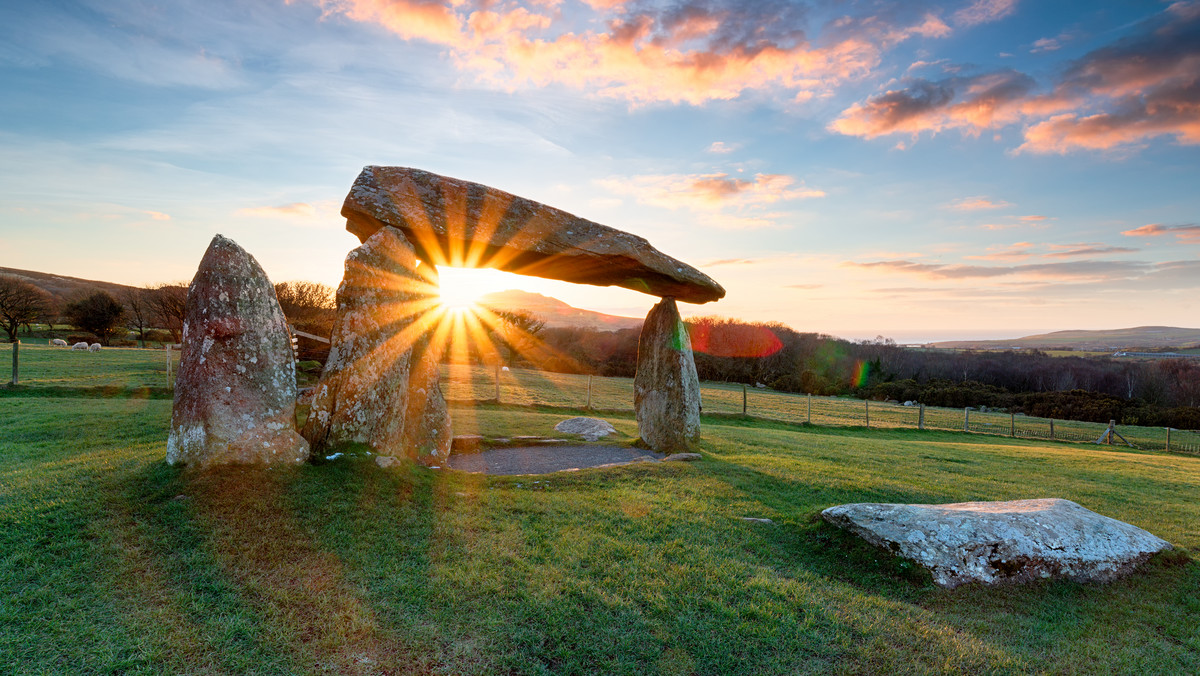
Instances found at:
x=916 y=170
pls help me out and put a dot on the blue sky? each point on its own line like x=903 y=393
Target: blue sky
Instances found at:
x=981 y=168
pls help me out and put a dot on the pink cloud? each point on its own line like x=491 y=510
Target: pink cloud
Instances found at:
x=1189 y=233
x=724 y=201
x=1141 y=87
x=301 y=209
x=978 y=203
x=691 y=52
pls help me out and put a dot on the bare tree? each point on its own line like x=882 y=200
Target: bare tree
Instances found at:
x=21 y=303
x=168 y=305
x=137 y=311
x=307 y=305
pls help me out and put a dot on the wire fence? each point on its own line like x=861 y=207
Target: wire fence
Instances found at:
x=42 y=366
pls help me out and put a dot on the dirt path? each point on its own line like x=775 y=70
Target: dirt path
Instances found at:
x=545 y=459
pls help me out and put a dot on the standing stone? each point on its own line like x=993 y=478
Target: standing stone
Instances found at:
x=666 y=390
x=427 y=432
x=385 y=304
x=235 y=394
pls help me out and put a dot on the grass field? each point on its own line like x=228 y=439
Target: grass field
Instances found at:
x=113 y=562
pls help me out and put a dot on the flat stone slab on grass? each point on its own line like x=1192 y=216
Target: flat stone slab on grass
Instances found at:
x=591 y=429
x=546 y=459
x=1002 y=542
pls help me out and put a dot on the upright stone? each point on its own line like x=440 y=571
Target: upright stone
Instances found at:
x=666 y=390
x=235 y=394
x=427 y=431
x=384 y=309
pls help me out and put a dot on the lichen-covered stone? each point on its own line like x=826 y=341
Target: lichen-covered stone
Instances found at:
x=385 y=306
x=468 y=224
x=1002 y=542
x=427 y=431
x=235 y=393
x=591 y=429
x=666 y=389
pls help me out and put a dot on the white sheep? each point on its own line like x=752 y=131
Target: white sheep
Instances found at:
x=81 y=345
x=58 y=342
x=94 y=347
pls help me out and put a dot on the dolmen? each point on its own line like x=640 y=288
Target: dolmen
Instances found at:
x=449 y=221
x=1002 y=542
x=235 y=393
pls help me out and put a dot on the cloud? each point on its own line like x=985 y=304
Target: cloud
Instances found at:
x=722 y=148
x=803 y=286
x=1033 y=218
x=977 y=204
x=1074 y=250
x=1143 y=86
x=984 y=11
x=1018 y=251
x=293 y=210
x=973 y=103
x=1046 y=45
x=1188 y=233
x=158 y=215
x=721 y=200
x=688 y=52
x=731 y=261
x=1072 y=270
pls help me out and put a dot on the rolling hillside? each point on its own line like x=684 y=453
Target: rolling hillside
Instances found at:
x=556 y=313
x=1149 y=337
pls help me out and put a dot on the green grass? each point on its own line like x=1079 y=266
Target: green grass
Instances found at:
x=113 y=562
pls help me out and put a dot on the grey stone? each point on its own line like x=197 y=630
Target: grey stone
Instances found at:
x=755 y=519
x=385 y=461
x=1002 y=542
x=449 y=219
x=372 y=389
x=235 y=393
x=683 y=457
x=591 y=429
x=666 y=390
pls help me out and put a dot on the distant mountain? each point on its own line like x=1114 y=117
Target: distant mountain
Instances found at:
x=65 y=288
x=1150 y=337
x=554 y=312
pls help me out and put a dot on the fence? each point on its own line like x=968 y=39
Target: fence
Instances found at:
x=529 y=387
x=46 y=367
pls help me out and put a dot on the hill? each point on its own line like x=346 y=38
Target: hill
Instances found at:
x=1149 y=337
x=556 y=313
x=63 y=287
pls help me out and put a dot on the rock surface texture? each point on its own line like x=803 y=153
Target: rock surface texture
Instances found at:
x=1002 y=542
x=366 y=391
x=235 y=394
x=460 y=223
x=591 y=429
x=666 y=390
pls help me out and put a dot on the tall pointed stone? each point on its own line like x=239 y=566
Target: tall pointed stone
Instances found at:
x=666 y=389
x=235 y=394
x=384 y=305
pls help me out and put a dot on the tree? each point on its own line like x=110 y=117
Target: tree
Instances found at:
x=138 y=313
x=168 y=306
x=20 y=303
x=99 y=314
x=307 y=305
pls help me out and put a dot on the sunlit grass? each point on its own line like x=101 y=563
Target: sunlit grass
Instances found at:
x=113 y=562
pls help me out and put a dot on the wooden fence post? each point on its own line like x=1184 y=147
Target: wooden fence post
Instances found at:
x=743 y=399
x=810 y=408
x=497 y=383
x=867 y=403
x=1111 y=428
x=1168 y=438
x=1012 y=423
x=589 y=403
x=1052 y=429
x=16 y=348
x=167 y=349
x=967 y=419
x=921 y=418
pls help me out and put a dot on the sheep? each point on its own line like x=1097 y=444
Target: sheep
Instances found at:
x=58 y=342
x=81 y=345
x=94 y=347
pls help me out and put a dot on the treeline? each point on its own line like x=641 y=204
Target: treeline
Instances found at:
x=1160 y=392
